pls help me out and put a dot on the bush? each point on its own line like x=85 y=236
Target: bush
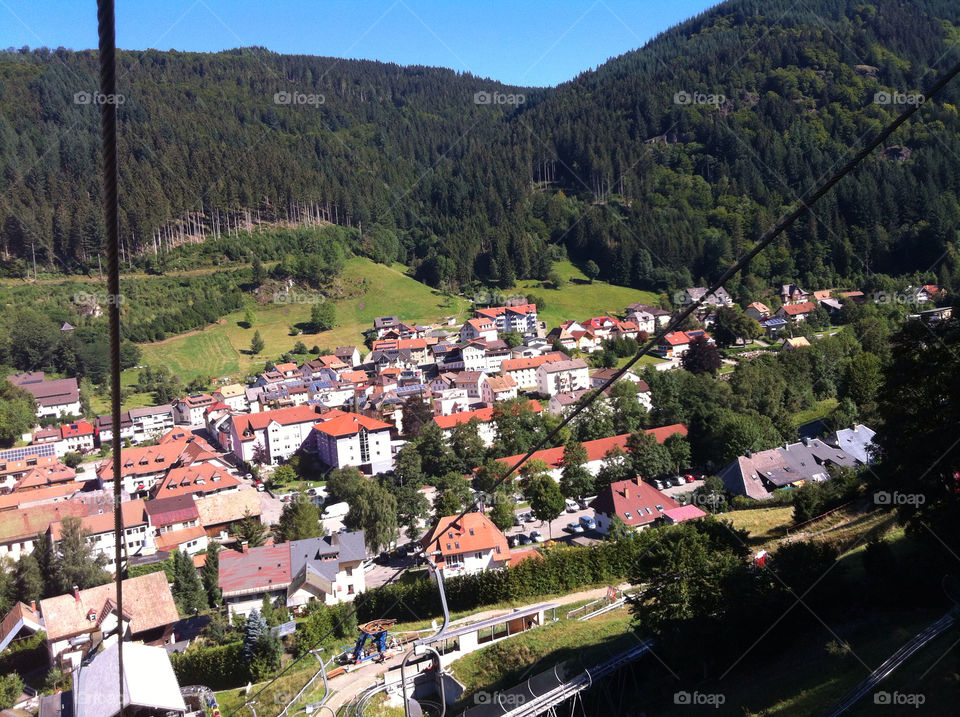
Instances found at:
x=219 y=668
x=25 y=655
x=135 y=571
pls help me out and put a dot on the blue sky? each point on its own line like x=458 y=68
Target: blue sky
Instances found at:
x=524 y=42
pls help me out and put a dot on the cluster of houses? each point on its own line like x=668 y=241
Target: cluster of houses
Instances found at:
x=758 y=474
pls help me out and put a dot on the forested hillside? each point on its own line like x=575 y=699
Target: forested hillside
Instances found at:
x=625 y=165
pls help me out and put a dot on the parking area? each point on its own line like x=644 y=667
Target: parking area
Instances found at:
x=558 y=526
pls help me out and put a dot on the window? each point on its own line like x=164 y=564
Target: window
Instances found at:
x=349 y=589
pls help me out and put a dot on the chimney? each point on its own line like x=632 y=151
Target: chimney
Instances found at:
x=626 y=491
x=244 y=547
x=76 y=593
x=33 y=605
x=749 y=454
x=335 y=539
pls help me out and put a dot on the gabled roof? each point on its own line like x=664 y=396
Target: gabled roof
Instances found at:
x=133 y=512
x=561 y=366
x=19 y=617
x=473 y=532
x=759 y=306
x=146 y=598
x=804 y=307
x=198 y=479
x=684 y=512
x=222 y=508
x=633 y=501
x=265 y=566
x=175 y=509
x=24 y=524
x=501 y=383
x=144 y=460
x=74 y=430
x=173 y=539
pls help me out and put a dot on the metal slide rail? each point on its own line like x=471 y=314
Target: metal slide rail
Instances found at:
x=892 y=663
x=619 y=602
x=326 y=693
x=538 y=704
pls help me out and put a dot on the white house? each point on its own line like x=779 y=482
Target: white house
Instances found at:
x=150 y=422
x=474 y=357
x=234 y=396
x=520 y=318
x=497 y=388
x=330 y=569
x=189 y=410
x=351 y=439
x=562 y=376
x=450 y=400
x=470 y=381
x=524 y=370
x=485 y=427
x=480 y=328
x=465 y=546
x=280 y=433
x=60 y=397
x=138 y=537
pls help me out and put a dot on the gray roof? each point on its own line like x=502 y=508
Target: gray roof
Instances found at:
x=558 y=366
x=856 y=441
x=148 y=677
x=150 y=411
x=757 y=474
x=348 y=547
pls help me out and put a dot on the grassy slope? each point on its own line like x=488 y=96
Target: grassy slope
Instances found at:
x=582 y=300
x=221 y=350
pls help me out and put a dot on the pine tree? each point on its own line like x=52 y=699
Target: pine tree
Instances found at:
x=78 y=566
x=28 y=581
x=251 y=531
x=256 y=343
x=253 y=630
x=188 y=592
x=211 y=574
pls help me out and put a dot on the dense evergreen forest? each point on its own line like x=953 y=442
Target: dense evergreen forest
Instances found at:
x=663 y=165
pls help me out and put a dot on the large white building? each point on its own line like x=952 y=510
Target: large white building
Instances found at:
x=352 y=439
x=521 y=319
x=280 y=433
x=563 y=376
x=524 y=370
x=60 y=397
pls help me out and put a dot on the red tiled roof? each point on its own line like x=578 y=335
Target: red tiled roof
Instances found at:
x=532 y=362
x=247 y=423
x=173 y=539
x=597 y=449
x=473 y=532
x=133 y=515
x=633 y=501
x=176 y=509
x=80 y=428
x=804 y=307
x=19 y=498
x=268 y=565
x=201 y=479
x=481 y=414
x=684 y=512
x=347 y=424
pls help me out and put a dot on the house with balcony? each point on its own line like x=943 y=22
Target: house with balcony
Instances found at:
x=497 y=388
x=563 y=376
x=328 y=569
x=524 y=370
x=189 y=410
x=279 y=433
x=519 y=318
x=465 y=546
x=479 y=328
x=137 y=535
x=351 y=439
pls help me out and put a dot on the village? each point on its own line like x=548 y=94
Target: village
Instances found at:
x=201 y=470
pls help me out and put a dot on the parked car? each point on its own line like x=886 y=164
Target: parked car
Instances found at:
x=259 y=485
x=513 y=540
x=574 y=527
x=588 y=523
x=572 y=506
x=528 y=517
x=537 y=537
x=523 y=539
x=658 y=484
x=689 y=478
x=582 y=502
x=518 y=519
x=675 y=480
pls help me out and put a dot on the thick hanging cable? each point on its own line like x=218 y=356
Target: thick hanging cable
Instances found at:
x=106 y=31
x=785 y=223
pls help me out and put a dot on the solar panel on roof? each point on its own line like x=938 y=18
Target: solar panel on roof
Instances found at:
x=17 y=454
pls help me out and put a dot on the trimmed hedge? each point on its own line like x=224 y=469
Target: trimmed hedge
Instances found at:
x=219 y=668
x=561 y=570
x=25 y=655
x=135 y=571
